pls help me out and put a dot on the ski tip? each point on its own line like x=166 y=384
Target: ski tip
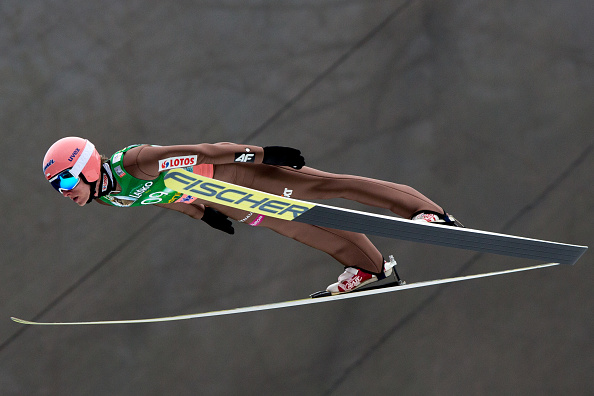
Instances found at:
x=21 y=321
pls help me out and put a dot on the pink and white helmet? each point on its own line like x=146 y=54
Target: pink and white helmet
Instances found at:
x=74 y=153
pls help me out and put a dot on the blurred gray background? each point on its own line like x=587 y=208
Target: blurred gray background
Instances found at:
x=485 y=107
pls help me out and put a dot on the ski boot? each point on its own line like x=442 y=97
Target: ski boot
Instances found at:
x=354 y=278
x=436 y=218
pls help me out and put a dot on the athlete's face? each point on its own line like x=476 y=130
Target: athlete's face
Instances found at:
x=79 y=194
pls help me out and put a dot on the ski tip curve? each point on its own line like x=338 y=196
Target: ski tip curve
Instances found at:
x=21 y=321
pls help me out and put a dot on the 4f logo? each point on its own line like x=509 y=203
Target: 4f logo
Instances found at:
x=245 y=157
x=287 y=193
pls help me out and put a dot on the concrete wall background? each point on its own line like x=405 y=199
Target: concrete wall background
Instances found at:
x=483 y=106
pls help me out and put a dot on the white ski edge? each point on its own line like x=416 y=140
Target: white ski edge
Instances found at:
x=456 y=229
x=456 y=237
x=293 y=303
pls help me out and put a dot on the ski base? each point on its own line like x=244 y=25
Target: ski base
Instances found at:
x=374 y=286
x=294 y=303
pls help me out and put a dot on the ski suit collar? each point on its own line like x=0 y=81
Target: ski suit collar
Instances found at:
x=107 y=183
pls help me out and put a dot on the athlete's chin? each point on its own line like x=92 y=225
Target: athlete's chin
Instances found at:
x=80 y=201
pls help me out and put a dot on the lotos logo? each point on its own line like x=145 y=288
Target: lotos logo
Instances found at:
x=50 y=163
x=178 y=162
x=73 y=154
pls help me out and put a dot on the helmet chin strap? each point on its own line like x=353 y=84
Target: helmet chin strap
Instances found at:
x=106 y=182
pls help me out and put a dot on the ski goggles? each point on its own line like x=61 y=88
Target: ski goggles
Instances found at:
x=64 y=181
x=69 y=178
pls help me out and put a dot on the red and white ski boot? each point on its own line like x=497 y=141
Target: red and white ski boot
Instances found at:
x=436 y=218
x=353 y=278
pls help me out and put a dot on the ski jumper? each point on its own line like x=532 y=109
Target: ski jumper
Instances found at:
x=138 y=171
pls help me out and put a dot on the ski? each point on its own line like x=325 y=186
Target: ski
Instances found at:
x=388 y=288
x=194 y=186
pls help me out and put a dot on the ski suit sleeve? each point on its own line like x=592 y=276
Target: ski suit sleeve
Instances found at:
x=143 y=161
